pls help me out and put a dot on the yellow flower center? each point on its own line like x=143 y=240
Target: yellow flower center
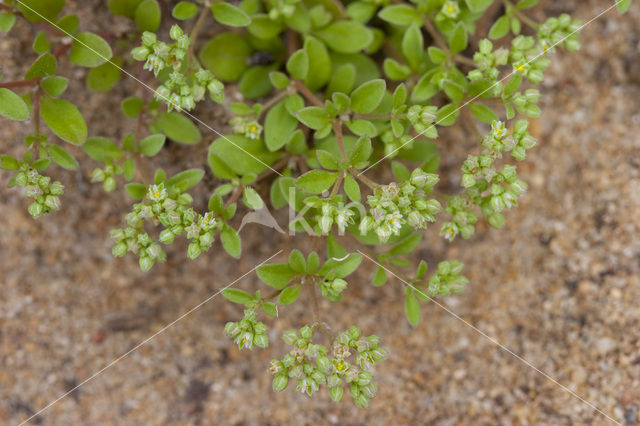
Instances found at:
x=156 y=194
x=521 y=68
x=253 y=128
x=451 y=10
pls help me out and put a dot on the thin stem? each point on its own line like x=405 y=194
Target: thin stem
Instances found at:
x=336 y=185
x=337 y=129
x=19 y=83
x=362 y=178
x=435 y=35
x=274 y=100
x=234 y=197
x=524 y=18
x=372 y=116
x=283 y=162
x=464 y=60
x=300 y=87
x=193 y=35
x=36 y=121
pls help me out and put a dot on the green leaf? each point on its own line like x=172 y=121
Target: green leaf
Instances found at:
x=298 y=64
x=526 y=4
x=361 y=152
x=148 y=15
x=178 y=128
x=342 y=79
x=342 y=267
x=40 y=10
x=313 y=117
x=226 y=56
x=407 y=245
x=186 y=179
x=346 y=36
x=400 y=14
x=379 y=277
x=366 y=97
x=102 y=148
x=479 y=5
x=243 y=155
x=264 y=27
x=316 y=181
x=184 y=10
x=252 y=199
x=123 y=7
x=500 y=28
x=103 y=77
x=289 y=295
x=269 y=308
x=352 y=189
x=447 y=115
x=54 y=85
x=458 y=41
x=132 y=106
x=12 y=106
x=326 y=159
x=297 y=262
x=278 y=126
x=45 y=65
x=623 y=5
x=64 y=119
x=152 y=144
x=277 y=275
x=69 y=24
x=412 y=46
x=6 y=21
x=129 y=168
x=40 y=43
x=41 y=164
x=412 y=308
x=7 y=162
x=137 y=191
x=319 y=63
x=231 y=241
x=483 y=113
x=236 y=295
x=400 y=171
x=61 y=157
x=230 y=15
x=255 y=82
x=89 y=50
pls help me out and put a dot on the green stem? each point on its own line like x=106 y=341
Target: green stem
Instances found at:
x=336 y=185
x=435 y=35
x=18 y=83
x=362 y=178
x=304 y=91
x=524 y=18
x=193 y=35
x=337 y=129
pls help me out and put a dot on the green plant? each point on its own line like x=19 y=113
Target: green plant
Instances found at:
x=332 y=90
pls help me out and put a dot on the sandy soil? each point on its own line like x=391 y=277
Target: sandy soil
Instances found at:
x=562 y=289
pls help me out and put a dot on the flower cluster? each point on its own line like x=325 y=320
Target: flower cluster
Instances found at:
x=107 y=176
x=526 y=59
x=248 y=332
x=422 y=117
x=311 y=365
x=554 y=30
x=462 y=219
x=447 y=279
x=488 y=61
x=330 y=211
x=44 y=192
x=246 y=126
x=332 y=289
x=450 y=9
x=187 y=82
x=171 y=209
x=394 y=205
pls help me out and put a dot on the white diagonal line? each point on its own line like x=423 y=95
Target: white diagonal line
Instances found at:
x=494 y=341
x=150 y=88
x=145 y=341
x=490 y=87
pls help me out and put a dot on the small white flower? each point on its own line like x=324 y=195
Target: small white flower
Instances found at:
x=157 y=192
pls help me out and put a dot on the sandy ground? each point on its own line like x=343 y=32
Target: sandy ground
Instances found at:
x=559 y=286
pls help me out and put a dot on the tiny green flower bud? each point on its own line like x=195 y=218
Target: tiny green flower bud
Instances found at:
x=120 y=249
x=194 y=250
x=146 y=263
x=231 y=329
x=149 y=38
x=35 y=209
x=109 y=184
x=21 y=178
x=53 y=202
x=97 y=175
x=140 y=53
x=261 y=340
x=176 y=32
x=306 y=332
x=289 y=337
x=336 y=393
x=280 y=382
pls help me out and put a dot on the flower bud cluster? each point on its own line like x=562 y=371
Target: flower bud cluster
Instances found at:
x=246 y=126
x=394 y=205
x=554 y=30
x=422 y=118
x=393 y=143
x=171 y=209
x=488 y=62
x=447 y=279
x=462 y=220
x=45 y=193
x=186 y=84
x=107 y=176
x=450 y=9
x=248 y=332
x=332 y=289
x=282 y=9
x=526 y=59
x=311 y=365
